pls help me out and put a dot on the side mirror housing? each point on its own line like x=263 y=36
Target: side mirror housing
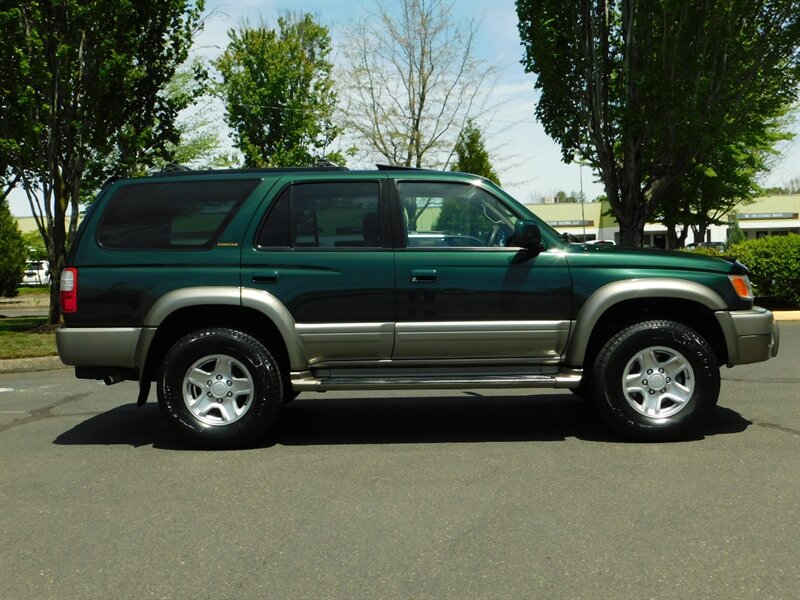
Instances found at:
x=528 y=235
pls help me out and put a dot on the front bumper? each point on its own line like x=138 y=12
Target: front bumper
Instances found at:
x=750 y=335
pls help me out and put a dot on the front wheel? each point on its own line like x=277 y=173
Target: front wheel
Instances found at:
x=656 y=381
x=220 y=388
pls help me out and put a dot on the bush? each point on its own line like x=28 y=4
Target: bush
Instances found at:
x=708 y=251
x=774 y=264
x=12 y=253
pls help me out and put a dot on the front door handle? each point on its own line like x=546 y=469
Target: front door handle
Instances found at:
x=424 y=275
x=268 y=277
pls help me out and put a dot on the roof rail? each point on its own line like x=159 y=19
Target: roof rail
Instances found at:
x=397 y=168
x=172 y=167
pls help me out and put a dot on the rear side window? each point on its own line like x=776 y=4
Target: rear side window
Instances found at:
x=173 y=215
x=324 y=215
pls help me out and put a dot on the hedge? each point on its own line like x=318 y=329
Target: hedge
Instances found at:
x=774 y=264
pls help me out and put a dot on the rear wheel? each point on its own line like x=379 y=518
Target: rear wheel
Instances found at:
x=656 y=381
x=220 y=388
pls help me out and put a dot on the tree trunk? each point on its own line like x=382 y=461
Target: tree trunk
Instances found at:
x=630 y=234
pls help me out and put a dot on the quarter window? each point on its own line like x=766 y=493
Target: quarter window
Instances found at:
x=324 y=215
x=172 y=215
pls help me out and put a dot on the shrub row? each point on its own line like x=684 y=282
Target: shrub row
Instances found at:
x=774 y=264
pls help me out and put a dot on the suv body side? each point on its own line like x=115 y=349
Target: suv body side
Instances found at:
x=345 y=279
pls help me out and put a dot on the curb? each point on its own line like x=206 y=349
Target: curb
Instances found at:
x=25 y=365
x=786 y=315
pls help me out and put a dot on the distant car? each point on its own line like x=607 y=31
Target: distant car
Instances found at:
x=721 y=246
x=37 y=272
x=601 y=242
x=434 y=239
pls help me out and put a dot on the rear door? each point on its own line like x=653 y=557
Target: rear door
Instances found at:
x=322 y=249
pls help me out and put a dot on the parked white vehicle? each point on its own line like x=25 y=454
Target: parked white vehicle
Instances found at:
x=37 y=272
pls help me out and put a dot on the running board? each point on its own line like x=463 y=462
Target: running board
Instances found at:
x=305 y=381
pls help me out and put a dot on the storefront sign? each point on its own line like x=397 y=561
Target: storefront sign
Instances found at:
x=765 y=216
x=575 y=223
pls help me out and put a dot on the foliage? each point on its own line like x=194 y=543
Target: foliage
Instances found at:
x=774 y=264
x=196 y=144
x=708 y=192
x=79 y=79
x=12 y=252
x=735 y=233
x=279 y=94
x=706 y=251
x=471 y=157
x=647 y=92
x=412 y=82
x=471 y=154
x=34 y=246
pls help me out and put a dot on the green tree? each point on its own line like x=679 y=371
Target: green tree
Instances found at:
x=79 y=78
x=34 y=246
x=196 y=143
x=471 y=154
x=646 y=92
x=12 y=252
x=278 y=93
x=471 y=157
x=708 y=192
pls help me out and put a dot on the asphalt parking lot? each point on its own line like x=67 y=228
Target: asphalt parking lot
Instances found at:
x=424 y=495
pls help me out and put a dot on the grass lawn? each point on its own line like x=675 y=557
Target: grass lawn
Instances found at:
x=37 y=290
x=17 y=340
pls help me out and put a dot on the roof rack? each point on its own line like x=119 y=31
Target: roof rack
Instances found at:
x=397 y=168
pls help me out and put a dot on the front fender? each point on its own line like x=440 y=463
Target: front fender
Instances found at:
x=633 y=289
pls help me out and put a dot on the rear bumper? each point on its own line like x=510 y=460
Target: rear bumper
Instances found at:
x=98 y=346
x=750 y=335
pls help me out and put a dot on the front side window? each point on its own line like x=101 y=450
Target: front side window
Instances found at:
x=453 y=215
x=173 y=215
x=324 y=215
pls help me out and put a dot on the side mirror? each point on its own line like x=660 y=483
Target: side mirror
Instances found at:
x=528 y=236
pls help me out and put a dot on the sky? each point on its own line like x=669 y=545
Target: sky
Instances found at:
x=526 y=160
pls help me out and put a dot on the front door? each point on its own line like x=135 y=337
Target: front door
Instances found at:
x=464 y=291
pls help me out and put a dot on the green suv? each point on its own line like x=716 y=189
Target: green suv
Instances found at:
x=236 y=290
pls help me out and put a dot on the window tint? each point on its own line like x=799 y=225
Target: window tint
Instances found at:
x=324 y=215
x=171 y=215
x=447 y=215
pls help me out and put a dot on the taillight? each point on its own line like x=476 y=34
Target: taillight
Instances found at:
x=69 y=290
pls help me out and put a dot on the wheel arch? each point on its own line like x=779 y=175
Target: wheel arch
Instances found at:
x=253 y=311
x=623 y=303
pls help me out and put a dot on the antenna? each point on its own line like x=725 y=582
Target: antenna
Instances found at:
x=583 y=201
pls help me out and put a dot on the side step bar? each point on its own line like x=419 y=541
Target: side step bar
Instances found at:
x=305 y=381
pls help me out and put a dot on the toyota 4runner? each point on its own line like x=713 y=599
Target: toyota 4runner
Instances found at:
x=236 y=290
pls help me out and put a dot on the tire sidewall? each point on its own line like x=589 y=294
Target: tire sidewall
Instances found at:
x=611 y=399
x=266 y=400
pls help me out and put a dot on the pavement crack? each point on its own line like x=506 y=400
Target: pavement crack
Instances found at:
x=772 y=380
x=42 y=413
x=776 y=426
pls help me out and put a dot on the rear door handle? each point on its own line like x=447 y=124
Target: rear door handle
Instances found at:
x=268 y=277
x=424 y=275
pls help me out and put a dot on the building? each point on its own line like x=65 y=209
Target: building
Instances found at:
x=770 y=215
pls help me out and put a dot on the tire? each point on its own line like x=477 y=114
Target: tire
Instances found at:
x=220 y=388
x=656 y=381
x=289 y=395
